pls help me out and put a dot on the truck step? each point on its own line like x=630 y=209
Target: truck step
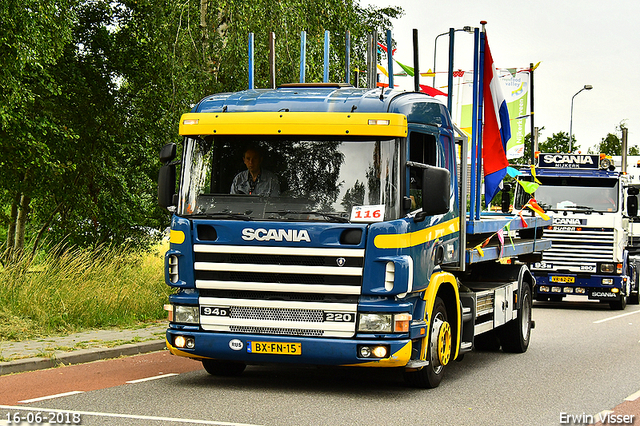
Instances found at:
x=417 y=363
x=467 y=315
x=466 y=347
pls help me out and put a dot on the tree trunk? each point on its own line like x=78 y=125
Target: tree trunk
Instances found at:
x=21 y=223
x=203 y=28
x=11 y=233
x=44 y=227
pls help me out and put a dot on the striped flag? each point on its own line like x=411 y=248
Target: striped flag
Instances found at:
x=497 y=130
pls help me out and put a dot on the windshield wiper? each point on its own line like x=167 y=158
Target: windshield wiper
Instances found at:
x=587 y=208
x=229 y=215
x=333 y=217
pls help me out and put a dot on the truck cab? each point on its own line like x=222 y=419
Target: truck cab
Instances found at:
x=589 y=256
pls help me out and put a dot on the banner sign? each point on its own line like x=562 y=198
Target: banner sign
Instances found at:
x=568 y=161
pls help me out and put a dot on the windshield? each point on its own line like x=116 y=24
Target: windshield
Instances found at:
x=288 y=179
x=573 y=193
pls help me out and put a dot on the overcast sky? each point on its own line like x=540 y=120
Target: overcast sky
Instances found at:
x=577 y=42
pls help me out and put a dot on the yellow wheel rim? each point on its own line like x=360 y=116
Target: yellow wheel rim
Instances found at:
x=444 y=343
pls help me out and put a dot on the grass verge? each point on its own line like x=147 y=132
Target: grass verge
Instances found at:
x=81 y=290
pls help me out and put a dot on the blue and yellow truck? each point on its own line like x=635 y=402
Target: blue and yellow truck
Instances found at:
x=325 y=224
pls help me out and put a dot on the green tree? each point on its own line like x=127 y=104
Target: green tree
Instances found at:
x=32 y=37
x=612 y=143
x=99 y=87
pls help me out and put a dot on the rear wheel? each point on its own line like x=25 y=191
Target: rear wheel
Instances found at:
x=439 y=349
x=515 y=334
x=216 y=367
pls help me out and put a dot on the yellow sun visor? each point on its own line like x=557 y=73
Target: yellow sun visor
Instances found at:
x=294 y=123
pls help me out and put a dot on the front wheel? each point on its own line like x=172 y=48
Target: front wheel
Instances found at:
x=216 y=367
x=619 y=305
x=438 y=350
x=515 y=334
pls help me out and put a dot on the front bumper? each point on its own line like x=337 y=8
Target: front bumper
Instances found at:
x=314 y=351
x=591 y=286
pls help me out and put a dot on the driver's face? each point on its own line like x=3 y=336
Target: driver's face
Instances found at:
x=253 y=161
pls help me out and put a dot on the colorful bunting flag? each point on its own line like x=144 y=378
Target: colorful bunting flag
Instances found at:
x=431 y=91
x=501 y=239
x=533 y=205
x=529 y=187
x=533 y=173
x=513 y=172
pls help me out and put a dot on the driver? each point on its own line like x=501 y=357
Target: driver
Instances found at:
x=255 y=180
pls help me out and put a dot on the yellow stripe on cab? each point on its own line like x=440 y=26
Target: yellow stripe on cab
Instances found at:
x=411 y=239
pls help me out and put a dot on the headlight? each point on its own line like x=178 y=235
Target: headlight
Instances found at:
x=186 y=314
x=607 y=281
x=375 y=323
x=607 y=268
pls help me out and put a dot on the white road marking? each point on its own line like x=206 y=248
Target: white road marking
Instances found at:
x=126 y=416
x=633 y=396
x=42 y=398
x=616 y=317
x=153 y=378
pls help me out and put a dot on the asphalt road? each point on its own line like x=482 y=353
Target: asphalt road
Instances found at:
x=583 y=359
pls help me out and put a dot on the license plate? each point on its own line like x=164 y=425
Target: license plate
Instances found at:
x=274 y=348
x=563 y=279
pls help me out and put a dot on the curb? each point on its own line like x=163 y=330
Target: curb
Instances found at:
x=80 y=356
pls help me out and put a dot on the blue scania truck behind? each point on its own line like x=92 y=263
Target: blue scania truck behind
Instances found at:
x=594 y=209
x=366 y=257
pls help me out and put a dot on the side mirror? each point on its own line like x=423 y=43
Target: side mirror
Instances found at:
x=506 y=198
x=632 y=205
x=436 y=192
x=166 y=185
x=168 y=153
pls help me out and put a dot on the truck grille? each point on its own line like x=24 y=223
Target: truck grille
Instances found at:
x=274 y=314
x=277 y=331
x=279 y=290
x=578 y=250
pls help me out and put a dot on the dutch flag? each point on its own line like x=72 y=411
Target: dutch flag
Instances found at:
x=497 y=129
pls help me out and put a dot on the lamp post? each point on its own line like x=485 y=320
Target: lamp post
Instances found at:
x=467 y=29
x=586 y=87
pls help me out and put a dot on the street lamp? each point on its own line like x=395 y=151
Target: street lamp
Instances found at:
x=467 y=29
x=586 y=87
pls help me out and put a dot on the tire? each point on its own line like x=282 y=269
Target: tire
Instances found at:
x=438 y=350
x=619 y=305
x=515 y=334
x=223 y=368
x=633 y=296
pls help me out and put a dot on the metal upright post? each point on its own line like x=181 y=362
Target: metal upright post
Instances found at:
x=303 y=54
x=452 y=34
x=251 y=82
x=531 y=117
x=416 y=70
x=480 y=118
x=372 y=60
x=326 y=57
x=272 y=59
x=474 y=124
x=390 y=58
x=347 y=58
